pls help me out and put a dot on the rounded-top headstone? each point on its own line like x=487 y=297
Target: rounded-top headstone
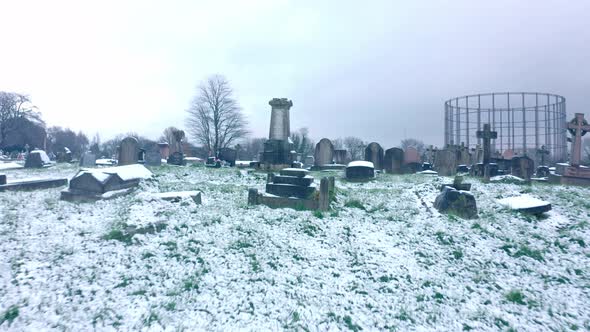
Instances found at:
x=324 y=152
x=374 y=154
x=128 y=151
x=393 y=161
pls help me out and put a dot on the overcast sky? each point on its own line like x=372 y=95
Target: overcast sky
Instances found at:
x=380 y=70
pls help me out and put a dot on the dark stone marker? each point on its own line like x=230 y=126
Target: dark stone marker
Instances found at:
x=460 y=203
x=486 y=136
x=393 y=161
x=523 y=167
x=37 y=159
x=2 y=179
x=360 y=171
x=374 y=154
x=153 y=158
x=128 y=151
x=176 y=158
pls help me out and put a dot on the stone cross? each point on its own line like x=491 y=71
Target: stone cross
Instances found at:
x=486 y=135
x=577 y=128
x=543 y=151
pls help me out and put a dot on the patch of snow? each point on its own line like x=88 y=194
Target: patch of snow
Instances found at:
x=508 y=177
x=522 y=202
x=10 y=165
x=428 y=172
x=360 y=163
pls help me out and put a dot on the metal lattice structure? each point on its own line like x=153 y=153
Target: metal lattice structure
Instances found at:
x=524 y=121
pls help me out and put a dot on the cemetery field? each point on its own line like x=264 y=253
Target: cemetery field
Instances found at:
x=382 y=259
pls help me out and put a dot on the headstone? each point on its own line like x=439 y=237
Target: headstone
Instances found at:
x=542 y=152
x=88 y=159
x=2 y=179
x=128 y=151
x=457 y=184
x=292 y=182
x=542 y=172
x=340 y=156
x=228 y=155
x=578 y=127
x=37 y=159
x=64 y=156
x=177 y=158
x=164 y=150
x=458 y=202
x=374 y=154
x=324 y=152
x=309 y=161
x=523 y=167
x=446 y=162
x=360 y=171
x=153 y=158
x=393 y=161
x=574 y=173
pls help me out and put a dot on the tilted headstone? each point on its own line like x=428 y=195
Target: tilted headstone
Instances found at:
x=324 y=152
x=374 y=154
x=393 y=161
x=88 y=159
x=128 y=151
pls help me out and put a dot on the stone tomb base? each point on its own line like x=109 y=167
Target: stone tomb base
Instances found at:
x=32 y=184
x=570 y=175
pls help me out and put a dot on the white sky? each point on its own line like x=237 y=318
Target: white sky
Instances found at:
x=380 y=70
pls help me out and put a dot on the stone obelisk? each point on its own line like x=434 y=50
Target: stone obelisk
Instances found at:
x=279 y=119
x=278 y=150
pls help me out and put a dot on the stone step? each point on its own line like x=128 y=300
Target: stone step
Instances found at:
x=305 y=181
x=289 y=190
x=298 y=172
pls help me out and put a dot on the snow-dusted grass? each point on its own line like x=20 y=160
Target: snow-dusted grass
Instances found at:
x=383 y=258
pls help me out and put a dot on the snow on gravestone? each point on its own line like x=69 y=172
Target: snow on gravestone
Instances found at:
x=360 y=171
x=526 y=203
x=37 y=159
x=128 y=151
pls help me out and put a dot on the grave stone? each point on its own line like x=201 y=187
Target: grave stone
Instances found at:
x=393 y=161
x=278 y=149
x=360 y=171
x=340 y=156
x=324 y=152
x=164 y=150
x=542 y=172
x=291 y=182
x=176 y=158
x=459 y=202
x=523 y=167
x=37 y=159
x=446 y=162
x=153 y=158
x=309 y=161
x=574 y=173
x=526 y=204
x=128 y=151
x=374 y=154
x=64 y=156
x=88 y=159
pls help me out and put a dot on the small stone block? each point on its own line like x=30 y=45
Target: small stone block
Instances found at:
x=2 y=179
x=298 y=172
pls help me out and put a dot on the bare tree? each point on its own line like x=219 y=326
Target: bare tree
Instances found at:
x=14 y=106
x=215 y=119
x=415 y=143
x=355 y=146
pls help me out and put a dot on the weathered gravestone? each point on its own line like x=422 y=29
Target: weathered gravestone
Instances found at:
x=64 y=156
x=153 y=158
x=458 y=202
x=309 y=161
x=128 y=151
x=292 y=182
x=393 y=161
x=412 y=162
x=324 y=153
x=446 y=162
x=374 y=154
x=340 y=156
x=37 y=159
x=360 y=171
x=176 y=158
x=526 y=204
x=486 y=135
x=88 y=159
x=523 y=167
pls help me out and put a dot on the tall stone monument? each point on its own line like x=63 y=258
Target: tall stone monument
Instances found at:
x=574 y=173
x=278 y=150
x=128 y=151
x=486 y=135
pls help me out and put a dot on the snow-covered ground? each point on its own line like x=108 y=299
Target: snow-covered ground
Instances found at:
x=383 y=259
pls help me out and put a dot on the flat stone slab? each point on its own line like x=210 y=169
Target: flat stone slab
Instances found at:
x=10 y=165
x=428 y=172
x=298 y=172
x=526 y=203
x=305 y=181
x=76 y=195
x=177 y=196
x=289 y=190
x=34 y=184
